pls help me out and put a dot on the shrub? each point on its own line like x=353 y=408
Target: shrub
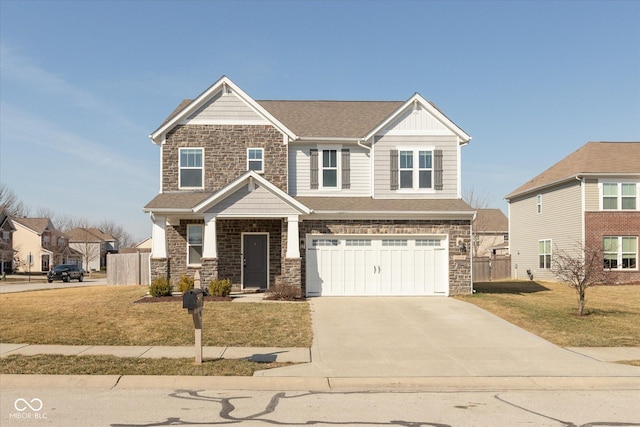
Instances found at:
x=160 y=287
x=185 y=283
x=220 y=288
x=284 y=292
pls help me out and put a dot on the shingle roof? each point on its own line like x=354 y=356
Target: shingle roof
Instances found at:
x=491 y=220
x=82 y=234
x=178 y=201
x=367 y=204
x=39 y=225
x=591 y=158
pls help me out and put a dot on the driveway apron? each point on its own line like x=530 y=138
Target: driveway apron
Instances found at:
x=431 y=336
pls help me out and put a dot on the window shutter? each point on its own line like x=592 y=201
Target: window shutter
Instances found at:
x=346 y=168
x=437 y=169
x=393 y=161
x=314 y=168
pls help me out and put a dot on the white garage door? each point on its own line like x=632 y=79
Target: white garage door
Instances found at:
x=340 y=265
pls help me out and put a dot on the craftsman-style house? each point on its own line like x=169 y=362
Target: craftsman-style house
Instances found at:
x=333 y=197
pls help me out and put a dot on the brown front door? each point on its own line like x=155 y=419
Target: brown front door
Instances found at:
x=255 y=261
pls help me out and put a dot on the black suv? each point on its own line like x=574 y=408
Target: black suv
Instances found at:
x=66 y=272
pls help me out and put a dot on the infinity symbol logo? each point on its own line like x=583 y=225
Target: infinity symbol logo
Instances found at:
x=22 y=405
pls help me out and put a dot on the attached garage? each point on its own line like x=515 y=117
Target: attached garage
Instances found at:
x=376 y=265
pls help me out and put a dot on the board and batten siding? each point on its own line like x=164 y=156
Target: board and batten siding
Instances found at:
x=300 y=171
x=259 y=201
x=382 y=165
x=225 y=109
x=559 y=220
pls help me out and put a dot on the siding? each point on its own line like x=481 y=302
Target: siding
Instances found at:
x=382 y=167
x=225 y=109
x=417 y=119
x=258 y=202
x=591 y=195
x=560 y=221
x=299 y=171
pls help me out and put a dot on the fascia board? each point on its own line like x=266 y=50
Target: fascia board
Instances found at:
x=464 y=137
x=166 y=211
x=543 y=187
x=205 y=96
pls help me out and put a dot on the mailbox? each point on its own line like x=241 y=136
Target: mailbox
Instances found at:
x=193 y=299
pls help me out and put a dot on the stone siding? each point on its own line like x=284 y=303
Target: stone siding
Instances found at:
x=225 y=153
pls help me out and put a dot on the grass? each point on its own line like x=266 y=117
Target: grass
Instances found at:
x=107 y=316
x=548 y=309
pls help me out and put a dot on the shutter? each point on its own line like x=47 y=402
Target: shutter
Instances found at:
x=314 y=168
x=346 y=169
x=437 y=169
x=393 y=160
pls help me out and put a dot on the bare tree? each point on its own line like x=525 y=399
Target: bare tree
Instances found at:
x=86 y=244
x=122 y=237
x=12 y=205
x=477 y=201
x=580 y=267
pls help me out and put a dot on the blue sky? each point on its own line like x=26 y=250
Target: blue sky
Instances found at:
x=83 y=83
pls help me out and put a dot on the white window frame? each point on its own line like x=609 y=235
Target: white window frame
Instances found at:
x=619 y=196
x=620 y=254
x=190 y=244
x=539 y=203
x=416 y=169
x=261 y=160
x=544 y=253
x=337 y=168
x=181 y=168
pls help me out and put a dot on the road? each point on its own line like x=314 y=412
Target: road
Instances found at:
x=157 y=407
x=38 y=283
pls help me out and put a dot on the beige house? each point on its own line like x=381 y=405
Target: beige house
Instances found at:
x=591 y=198
x=7 y=252
x=94 y=245
x=490 y=232
x=40 y=245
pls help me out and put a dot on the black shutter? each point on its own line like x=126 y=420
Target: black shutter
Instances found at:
x=393 y=161
x=346 y=169
x=437 y=169
x=314 y=168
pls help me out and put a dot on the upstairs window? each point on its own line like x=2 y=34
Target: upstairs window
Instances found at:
x=620 y=252
x=544 y=254
x=194 y=244
x=191 y=170
x=619 y=196
x=416 y=169
x=255 y=159
x=329 y=168
x=539 y=203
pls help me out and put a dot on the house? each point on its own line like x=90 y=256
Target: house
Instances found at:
x=94 y=245
x=142 y=246
x=6 y=242
x=40 y=246
x=331 y=197
x=490 y=232
x=591 y=198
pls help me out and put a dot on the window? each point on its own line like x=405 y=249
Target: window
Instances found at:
x=539 y=203
x=415 y=176
x=6 y=236
x=255 y=159
x=191 y=168
x=329 y=168
x=620 y=252
x=619 y=195
x=544 y=253
x=358 y=242
x=194 y=243
x=324 y=242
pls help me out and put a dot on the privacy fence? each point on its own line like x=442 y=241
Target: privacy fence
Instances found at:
x=486 y=269
x=128 y=269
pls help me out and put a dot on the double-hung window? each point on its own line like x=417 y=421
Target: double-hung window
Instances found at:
x=255 y=159
x=330 y=168
x=191 y=170
x=544 y=253
x=415 y=175
x=194 y=243
x=619 y=196
x=620 y=252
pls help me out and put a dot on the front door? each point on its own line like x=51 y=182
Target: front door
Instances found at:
x=255 y=261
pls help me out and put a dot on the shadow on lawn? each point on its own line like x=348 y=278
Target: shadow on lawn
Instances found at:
x=520 y=287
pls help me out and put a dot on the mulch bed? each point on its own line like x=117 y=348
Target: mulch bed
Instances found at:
x=176 y=298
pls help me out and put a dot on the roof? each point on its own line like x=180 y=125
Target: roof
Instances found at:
x=593 y=158
x=82 y=234
x=368 y=204
x=491 y=220
x=39 y=225
x=177 y=200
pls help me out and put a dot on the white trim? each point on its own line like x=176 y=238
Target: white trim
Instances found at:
x=416 y=170
x=293 y=246
x=180 y=167
x=618 y=183
x=338 y=168
x=188 y=245
x=261 y=149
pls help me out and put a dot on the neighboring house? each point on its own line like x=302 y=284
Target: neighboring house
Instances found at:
x=590 y=198
x=333 y=197
x=143 y=246
x=40 y=245
x=7 y=252
x=94 y=245
x=490 y=232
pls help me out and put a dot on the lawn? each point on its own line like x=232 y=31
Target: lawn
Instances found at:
x=548 y=309
x=108 y=316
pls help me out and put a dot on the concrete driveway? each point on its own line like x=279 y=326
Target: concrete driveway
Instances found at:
x=431 y=337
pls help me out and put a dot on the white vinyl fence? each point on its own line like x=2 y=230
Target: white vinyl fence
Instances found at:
x=128 y=269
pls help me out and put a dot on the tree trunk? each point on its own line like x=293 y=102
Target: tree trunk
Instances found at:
x=580 y=302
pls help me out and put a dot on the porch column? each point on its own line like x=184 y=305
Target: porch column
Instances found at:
x=293 y=247
x=159 y=236
x=210 y=249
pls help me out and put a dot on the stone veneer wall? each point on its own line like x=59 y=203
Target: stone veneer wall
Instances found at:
x=225 y=153
x=459 y=263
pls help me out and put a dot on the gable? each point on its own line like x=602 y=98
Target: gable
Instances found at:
x=416 y=120
x=225 y=108
x=248 y=201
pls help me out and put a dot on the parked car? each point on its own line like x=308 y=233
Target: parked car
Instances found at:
x=66 y=272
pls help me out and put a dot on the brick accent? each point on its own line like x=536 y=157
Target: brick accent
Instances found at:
x=225 y=153
x=621 y=223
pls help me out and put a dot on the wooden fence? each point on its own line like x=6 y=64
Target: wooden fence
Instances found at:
x=486 y=269
x=128 y=269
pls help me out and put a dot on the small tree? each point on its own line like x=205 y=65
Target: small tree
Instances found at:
x=580 y=268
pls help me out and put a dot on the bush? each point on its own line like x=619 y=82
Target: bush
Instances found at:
x=160 y=287
x=284 y=292
x=185 y=283
x=220 y=288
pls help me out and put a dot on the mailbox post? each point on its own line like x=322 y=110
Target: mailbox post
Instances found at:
x=193 y=301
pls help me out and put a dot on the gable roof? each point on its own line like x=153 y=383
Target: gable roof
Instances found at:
x=491 y=220
x=593 y=158
x=37 y=225
x=94 y=235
